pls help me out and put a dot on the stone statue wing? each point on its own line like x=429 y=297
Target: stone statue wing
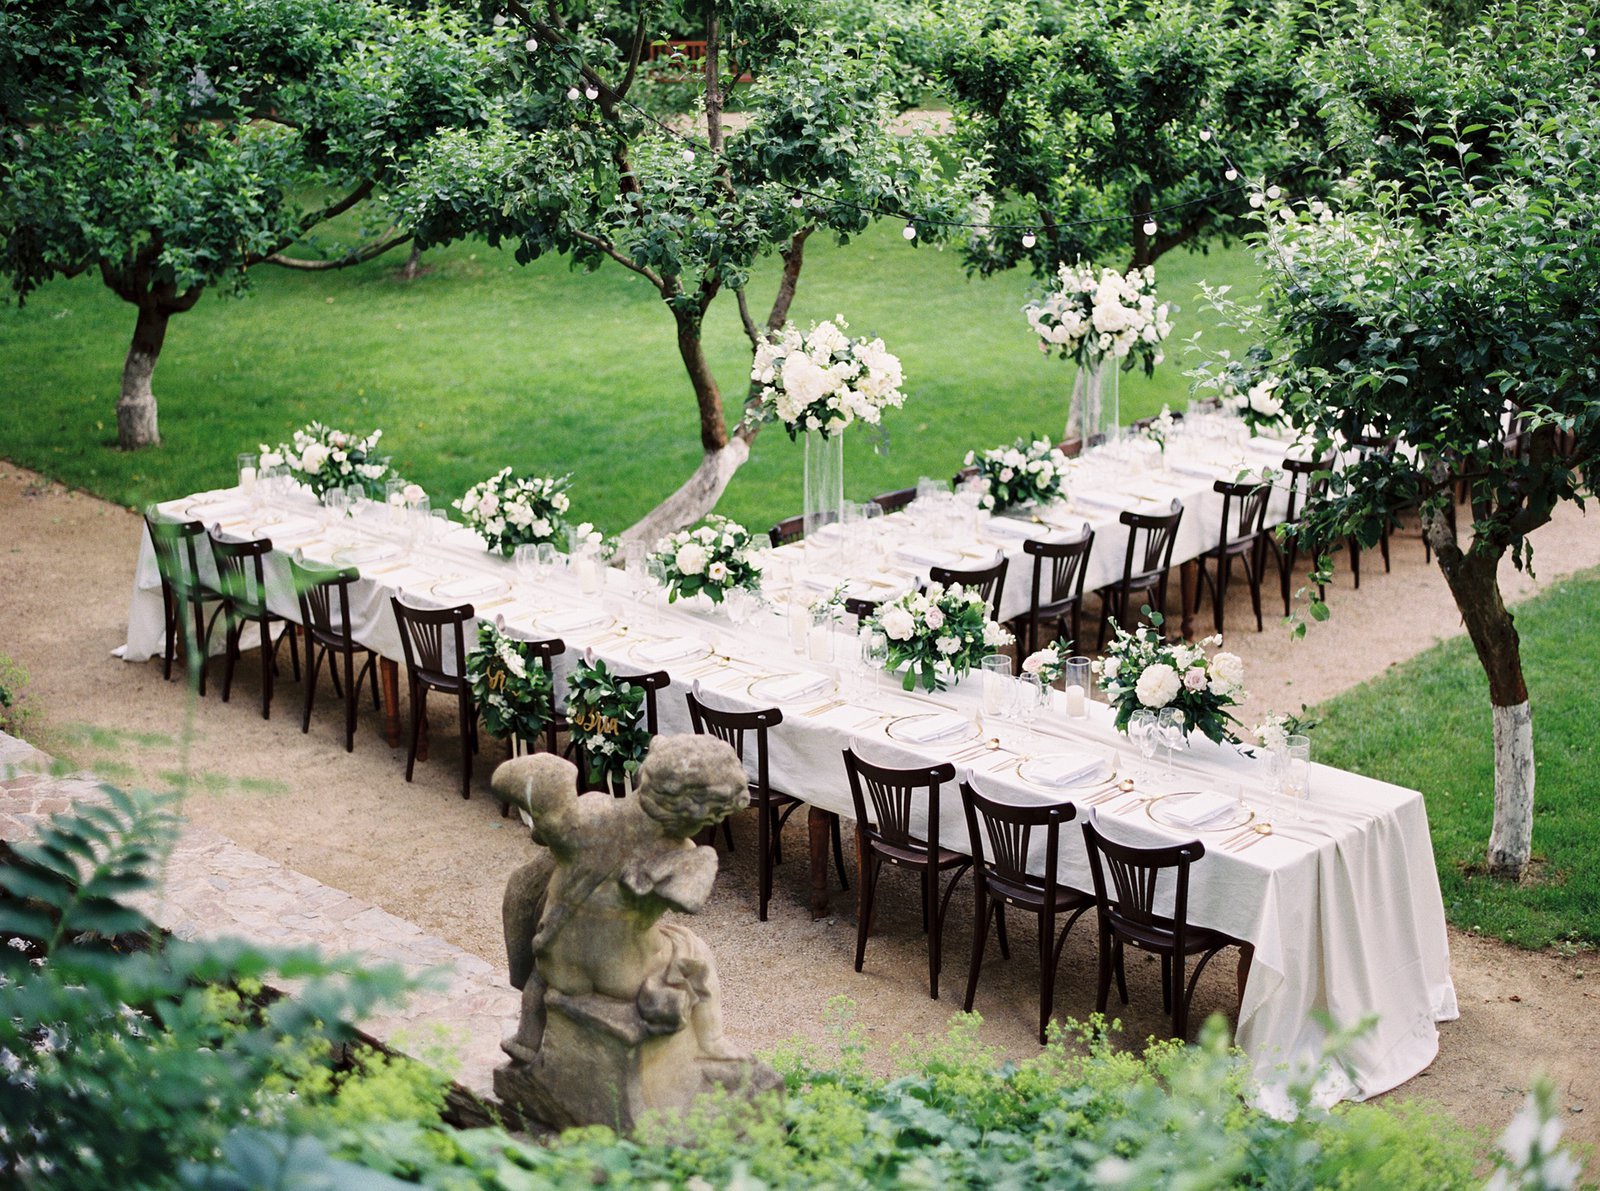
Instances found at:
x=521 y=911
x=680 y=878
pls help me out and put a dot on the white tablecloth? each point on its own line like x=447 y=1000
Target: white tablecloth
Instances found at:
x=1343 y=908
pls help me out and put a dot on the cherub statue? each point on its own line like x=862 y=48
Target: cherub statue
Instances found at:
x=583 y=920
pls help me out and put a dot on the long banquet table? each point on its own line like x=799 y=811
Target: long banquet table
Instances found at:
x=1342 y=905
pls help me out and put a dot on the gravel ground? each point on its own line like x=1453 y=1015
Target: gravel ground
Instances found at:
x=420 y=851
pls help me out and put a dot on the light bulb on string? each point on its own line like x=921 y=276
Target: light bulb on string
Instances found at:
x=910 y=232
x=1029 y=239
x=591 y=92
x=499 y=20
x=531 y=44
x=1231 y=174
x=572 y=94
x=1149 y=226
x=797 y=202
x=688 y=156
x=1205 y=134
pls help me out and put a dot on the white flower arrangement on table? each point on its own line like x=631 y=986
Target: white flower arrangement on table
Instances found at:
x=408 y=497
x=1094 y=315
x=323 y=458
x=1159 y=429
x=1256 y=397
x=942 y=630
x=711 y=560
x=509 y=685
x=1274 y=730
x=1025 y=473
x=1049 y=663
x=824 y=380
x=510 y=511
x=1142 y=670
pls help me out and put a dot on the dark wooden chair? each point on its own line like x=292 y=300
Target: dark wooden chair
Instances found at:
x=423 y=636
x=790 y=529
x=962 y=476
x=884 y=801
x=242 y=580
x=1145 y=567
x=772 y=807
x=1367 y=445
x=184 y=594
x=893 y=502
x=1308 y=480
x=1002 y=833
x=1129 y=917
x=1055 y=597
x=324 y=596
x=1241 y=535
x=990 y=581
x=861 y=607
x=653 y=682
x=1071 y=447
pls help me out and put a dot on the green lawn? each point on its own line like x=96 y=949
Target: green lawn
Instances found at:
x=482 y=363
x=1425 y=724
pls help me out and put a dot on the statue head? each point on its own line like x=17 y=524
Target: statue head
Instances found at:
x=689 y=783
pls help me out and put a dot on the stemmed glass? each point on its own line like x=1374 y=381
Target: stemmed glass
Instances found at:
x=1031 y=694
x=1169 y=727
x=525 y=561
x=1142 y=730
x=874 y=655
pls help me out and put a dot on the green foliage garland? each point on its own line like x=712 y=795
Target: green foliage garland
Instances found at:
x=509 y=684
x=607 y=717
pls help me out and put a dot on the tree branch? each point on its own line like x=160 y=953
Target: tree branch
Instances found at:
x=333 y=210
x=744 y=316
x=635 y=52
x=626 y=262
x=359 y=257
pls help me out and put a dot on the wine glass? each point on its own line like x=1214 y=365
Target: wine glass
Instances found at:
x=525 y=560
x=1031 y=695
x=1169 y=728
x=1142 y=731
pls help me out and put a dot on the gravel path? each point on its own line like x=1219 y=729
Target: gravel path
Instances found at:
x=422 y=853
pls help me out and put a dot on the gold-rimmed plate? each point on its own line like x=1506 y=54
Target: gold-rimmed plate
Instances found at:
x=898 y=728
x=770 y=688
x=471 y=587
x=287 y=529
x=1161 y=810
x=1104 y=771
x=691 y=651
x=218 y=508
x=575 y=621
x=364 y=554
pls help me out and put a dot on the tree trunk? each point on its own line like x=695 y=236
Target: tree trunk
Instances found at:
x=412 y=269
x=1474 y=579
x=713 y=427
x=136 y=407
x=696 y=497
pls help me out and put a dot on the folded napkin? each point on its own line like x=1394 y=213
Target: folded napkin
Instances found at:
x=940 y=726
x=1062 y=769
x=930 y=556
x=670 y=651
x=566 y=622
x=467 y=586
x=1198 y=470
x=1102 y=500
x=1009 y=527
x=794 y=686
x=1199 y=809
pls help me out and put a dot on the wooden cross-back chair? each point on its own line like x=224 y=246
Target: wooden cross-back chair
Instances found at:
x=1308 y=480
x=184 y=594
x=989 y=581
x=242 y=581
x=1055 y=597
x=425 y=634
x=324 y=596
x=1242 y=536
x=1145 y=567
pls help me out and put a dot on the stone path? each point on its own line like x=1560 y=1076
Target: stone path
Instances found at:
x=215 y=888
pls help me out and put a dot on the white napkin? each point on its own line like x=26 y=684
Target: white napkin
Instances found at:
x=794 y=686
x=469 y=585
x=1061 y=769
x=941 y=726
x=669 y=651
x=1197 y=809
x=566 y=622
x=1009 y=527
x=1198 y=470
x=929 y=556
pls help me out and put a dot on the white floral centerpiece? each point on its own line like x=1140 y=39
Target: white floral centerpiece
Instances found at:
x=510 y=511
x=709 y=561
x=1093 y=315
x=1259 y=403
x=323 y=458
x=1159 y=429
x=824 y=380
x=1025 y=473
x=1143 y=670
x=1049 y=663
x=938 y=635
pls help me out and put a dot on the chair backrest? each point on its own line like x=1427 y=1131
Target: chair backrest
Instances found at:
x=1129 y=901
x=990 y=581
x=1315 y=484
x=861 y=607
x=891 y=502
x=790 y=529
x=423 y=634
x=176 y=558
x=1002 y=836
x=731 y=727
x=1151 y=537
x=892 y=795
x=315 y=588
x=1244 y=508
x=962 y=476
x=655 y=680
x=1071 y=447
x=1068 y=563
x=241 y=573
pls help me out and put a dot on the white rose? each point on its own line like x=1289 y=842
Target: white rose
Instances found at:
x=1158 y=685
x=996 y=635
x=717 y=572
x=1229 y=667
x=1035 y=662
x=934 y=618
x=413 y=494
x=1194 y=679
x=313 y=457
x=898 y=624
x=488 y=504
x=691 y=558
x=947 y=645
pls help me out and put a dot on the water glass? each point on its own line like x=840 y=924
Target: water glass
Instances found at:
x=1169 y=729
x=819 y=638
x=247 y=473
x=929 y=489
x=1294 y=781
x=999 y=692
x=1031 y=695
x=1143 y=730
x=799 y=623
x=1079 y=686
x=525 y=559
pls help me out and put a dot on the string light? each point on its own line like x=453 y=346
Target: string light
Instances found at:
x=910 y=232
x=1231 y=174
x=796 y=201
x=591 y=92
x=531 y=44
x=572 y=94
x=1149 y=226
x=1029 y=239
x=1205 y=134
x=499 y=20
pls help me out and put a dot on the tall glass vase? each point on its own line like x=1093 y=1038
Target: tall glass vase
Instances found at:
x=824 y=500
x=1095 y=413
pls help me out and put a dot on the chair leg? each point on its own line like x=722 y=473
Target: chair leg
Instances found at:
x=1122 y=974
x=169 y=624
x=352 y=684
x=981 y=912
x=1286 y=560
x=419 y=708
x=1000 y=929
x=764 y=842
x=866 y=877
x=292 y=631
x=230 y=651
x=1047 y=971
x=268 y=659
x=467 y=714
x=838 y=850
x=199 y=660
x=313 y=664
x=1219 y=589
x=1102 y=993
x=930 y=892
x=1166 y=984
x=1355 y=562
x=1383 y=548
